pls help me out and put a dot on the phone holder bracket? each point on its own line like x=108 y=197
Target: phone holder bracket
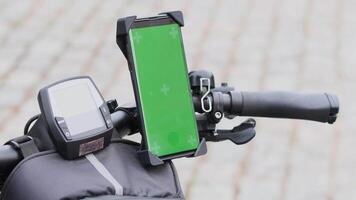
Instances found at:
x=150 y=159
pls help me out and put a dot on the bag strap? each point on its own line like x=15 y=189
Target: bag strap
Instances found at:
x=25 y=145
x=105 y=173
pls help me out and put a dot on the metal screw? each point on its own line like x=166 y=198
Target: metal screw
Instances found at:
x=218 y=115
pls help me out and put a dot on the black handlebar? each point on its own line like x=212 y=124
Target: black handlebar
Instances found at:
x=9 y=158
x=316 y=107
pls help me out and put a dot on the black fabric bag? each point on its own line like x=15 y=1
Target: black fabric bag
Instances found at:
x=47 y=176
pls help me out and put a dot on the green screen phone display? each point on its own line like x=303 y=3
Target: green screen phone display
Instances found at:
x=163 y=89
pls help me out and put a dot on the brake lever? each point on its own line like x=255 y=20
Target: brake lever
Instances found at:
x=239 y=135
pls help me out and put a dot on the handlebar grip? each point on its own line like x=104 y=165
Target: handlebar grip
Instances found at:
x=9 y=157
x=315 y=107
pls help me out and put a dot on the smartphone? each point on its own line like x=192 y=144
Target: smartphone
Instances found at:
x=161 y=85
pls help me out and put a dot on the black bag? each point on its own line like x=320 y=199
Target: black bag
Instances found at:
x=47 y=176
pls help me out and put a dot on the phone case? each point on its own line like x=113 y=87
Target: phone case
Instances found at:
x=122 y=39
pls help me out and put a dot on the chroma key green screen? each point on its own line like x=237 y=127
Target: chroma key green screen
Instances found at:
x=163 y=89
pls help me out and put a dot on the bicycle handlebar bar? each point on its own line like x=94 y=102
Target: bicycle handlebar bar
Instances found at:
x=9 y=157
x=316 y=107
x=321 y=107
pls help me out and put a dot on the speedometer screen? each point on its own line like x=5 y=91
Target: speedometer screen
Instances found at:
x=77 y=106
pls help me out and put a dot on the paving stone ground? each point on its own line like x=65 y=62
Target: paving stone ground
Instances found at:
x=298 y=45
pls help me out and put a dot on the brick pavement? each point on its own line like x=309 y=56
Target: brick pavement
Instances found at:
x=301 y=45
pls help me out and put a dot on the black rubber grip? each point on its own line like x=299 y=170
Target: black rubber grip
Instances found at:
x=9 y=157
x=316 y=107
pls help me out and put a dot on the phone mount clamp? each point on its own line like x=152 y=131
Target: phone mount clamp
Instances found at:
x=124 y=25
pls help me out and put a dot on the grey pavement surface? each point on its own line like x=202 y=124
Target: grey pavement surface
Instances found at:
x=297 y=45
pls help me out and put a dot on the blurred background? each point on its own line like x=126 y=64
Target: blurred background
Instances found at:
x=257 y=45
